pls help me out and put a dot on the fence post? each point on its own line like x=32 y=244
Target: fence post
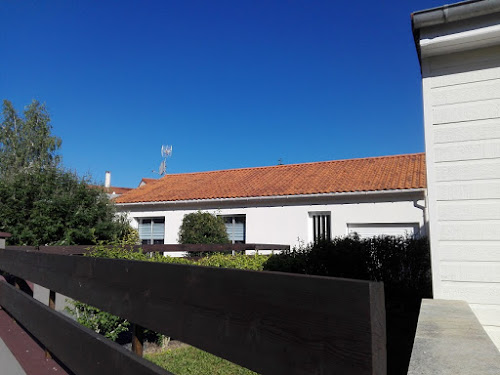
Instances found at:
x=137 y=339
x=52 y=305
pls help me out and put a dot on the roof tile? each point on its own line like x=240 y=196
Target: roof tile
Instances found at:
x=338 y=176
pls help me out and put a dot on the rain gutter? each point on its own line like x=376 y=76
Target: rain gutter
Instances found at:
x=451 y=13
x=278 y=197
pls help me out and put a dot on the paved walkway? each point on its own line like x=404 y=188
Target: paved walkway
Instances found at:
x=8 y=363
x=20 y=354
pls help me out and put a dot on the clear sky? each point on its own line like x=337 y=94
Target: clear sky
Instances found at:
x=229 y=84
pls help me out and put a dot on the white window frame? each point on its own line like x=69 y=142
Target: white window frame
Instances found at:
x=151 y=240
x=320 y=224
x=233 y=219
x=414 y=225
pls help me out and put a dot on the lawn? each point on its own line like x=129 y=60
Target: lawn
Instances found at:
x=187 y=360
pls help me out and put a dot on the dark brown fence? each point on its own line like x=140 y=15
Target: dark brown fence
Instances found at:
x=201 y=248
x=272 y=323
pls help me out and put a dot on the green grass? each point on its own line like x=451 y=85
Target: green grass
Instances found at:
x=192 y=361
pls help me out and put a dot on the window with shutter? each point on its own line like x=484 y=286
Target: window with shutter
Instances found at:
x=321 y=226
x=236 y=228
x=152 y=230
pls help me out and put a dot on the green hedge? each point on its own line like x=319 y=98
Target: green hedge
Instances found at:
x=402 y=263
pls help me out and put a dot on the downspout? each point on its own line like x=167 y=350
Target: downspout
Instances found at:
x=424 y=214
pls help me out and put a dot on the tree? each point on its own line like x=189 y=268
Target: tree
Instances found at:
x=41 y=202
x=202 y=228
x=26 y=144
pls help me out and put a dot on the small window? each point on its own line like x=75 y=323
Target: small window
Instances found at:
x=236 y=228
x=321 y=226
x=152 y=231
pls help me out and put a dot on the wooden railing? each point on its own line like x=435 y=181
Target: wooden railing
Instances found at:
x=174 y=248
x=272 y=323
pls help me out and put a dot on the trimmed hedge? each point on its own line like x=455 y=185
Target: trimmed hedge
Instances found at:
x=402 y=263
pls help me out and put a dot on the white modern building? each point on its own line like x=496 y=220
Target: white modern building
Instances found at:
x=288 y=204
x=459 y=51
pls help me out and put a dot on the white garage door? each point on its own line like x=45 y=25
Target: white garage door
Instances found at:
x=394 y=229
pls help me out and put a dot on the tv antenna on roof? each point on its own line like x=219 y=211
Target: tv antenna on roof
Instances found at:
x=166 y=151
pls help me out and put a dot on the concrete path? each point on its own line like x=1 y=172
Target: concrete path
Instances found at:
x=450 y=341
x=18 y=346
x=8 y=363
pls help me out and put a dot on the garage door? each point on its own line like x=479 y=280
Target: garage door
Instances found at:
x=393 y=229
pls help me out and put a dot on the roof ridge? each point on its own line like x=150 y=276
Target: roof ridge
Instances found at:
x=294 y=164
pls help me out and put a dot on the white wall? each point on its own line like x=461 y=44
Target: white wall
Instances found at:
x=462 y=133
x=292 y=224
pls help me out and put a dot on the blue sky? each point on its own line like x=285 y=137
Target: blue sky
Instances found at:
x=229 y=84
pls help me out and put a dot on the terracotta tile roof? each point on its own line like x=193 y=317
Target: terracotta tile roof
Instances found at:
x=146 y=180
x=117 y=190
x=338 y=176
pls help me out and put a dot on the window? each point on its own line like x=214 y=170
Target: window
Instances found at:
x=321 y=226
x=152 y=230
x=236 y=228
x=368 y=230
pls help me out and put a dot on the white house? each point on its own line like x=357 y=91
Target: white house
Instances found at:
x=288 y=204
x=459 y=51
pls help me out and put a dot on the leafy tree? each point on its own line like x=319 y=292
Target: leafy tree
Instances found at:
x=26 y=144
x=203 y=228
x=41 y=202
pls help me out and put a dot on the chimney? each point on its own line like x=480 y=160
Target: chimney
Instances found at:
x=107 y=180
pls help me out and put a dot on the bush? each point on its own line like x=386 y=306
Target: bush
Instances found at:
x=239 y=261
x=203 y=228
x=402 y=263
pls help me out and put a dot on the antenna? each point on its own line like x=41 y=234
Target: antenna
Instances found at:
x=166 y=151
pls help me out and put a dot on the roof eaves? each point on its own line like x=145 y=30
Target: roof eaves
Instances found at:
x=449 y=13
x=453 y=12
x=277 y=197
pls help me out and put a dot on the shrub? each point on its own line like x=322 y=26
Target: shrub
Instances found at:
x=203 y=228
x=402 y=263
x=239 y=261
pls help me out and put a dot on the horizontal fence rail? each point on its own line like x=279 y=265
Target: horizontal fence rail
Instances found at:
x=79 y=348
x=272 y=323
x=227 y=248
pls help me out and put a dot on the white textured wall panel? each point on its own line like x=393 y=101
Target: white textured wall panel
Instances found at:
x=470 y=66
x=462 y=134
x=466 y=92
x=484 y=189
x=468 y=170
x=471 y=271
x=472 y=292
x=466 y=132
x=478 y=251
x=487 y=314
x=473 y=150
x=469 y=231
x=494 y=333
x=461 y=112
x=468 y=210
